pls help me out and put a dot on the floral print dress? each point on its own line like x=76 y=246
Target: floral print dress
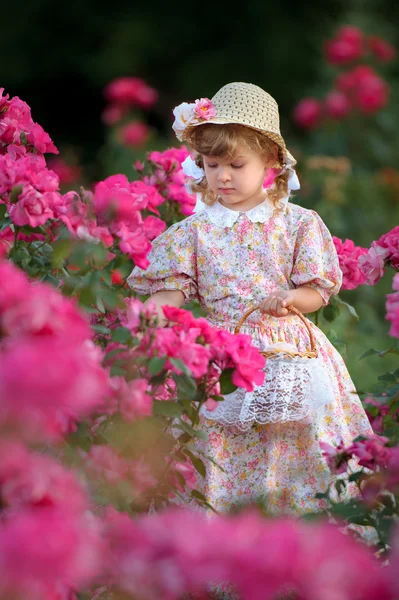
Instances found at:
x=230 y=261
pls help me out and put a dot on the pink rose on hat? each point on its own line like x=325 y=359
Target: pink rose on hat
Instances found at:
x=204 y=109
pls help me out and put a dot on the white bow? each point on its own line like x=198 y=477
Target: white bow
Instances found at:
x=192 y=170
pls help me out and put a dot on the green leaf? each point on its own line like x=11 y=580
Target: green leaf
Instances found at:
x=179 y=364
x=201 y=435
x=114 y=353
x=369 y=353
x=198 y=495
x=101 y=329
x=186 y=385
x=5 y=223
x=100 y=304
x=330 y=312
x=197 y=462
x=226 y=384
x=121 y=334
x=389 y=377
x=156 y=364
x=165 y=408
x=349 y=307
x=115 y=370
x=60 y=252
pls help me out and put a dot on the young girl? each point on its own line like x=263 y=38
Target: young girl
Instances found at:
x=247 y=245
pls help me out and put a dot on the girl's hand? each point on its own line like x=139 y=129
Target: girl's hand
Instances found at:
x=275 y=304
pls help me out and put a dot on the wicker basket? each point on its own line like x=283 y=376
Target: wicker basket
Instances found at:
x=296 y=385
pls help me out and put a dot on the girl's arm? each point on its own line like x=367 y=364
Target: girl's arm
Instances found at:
x=304 y=298
x=163 y=298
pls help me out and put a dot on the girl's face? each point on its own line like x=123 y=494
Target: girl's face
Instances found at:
x=238 y=181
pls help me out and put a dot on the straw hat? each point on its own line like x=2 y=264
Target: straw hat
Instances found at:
x=246 y=104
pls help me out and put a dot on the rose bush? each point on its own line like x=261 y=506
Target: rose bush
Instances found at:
x=99 y=407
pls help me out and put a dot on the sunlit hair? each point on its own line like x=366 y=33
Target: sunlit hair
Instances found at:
x=223 y=140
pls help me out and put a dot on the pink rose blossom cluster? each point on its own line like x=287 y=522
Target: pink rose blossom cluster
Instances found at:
x=134 y=134
x=372 y=452
x=50 y=544
x=169 y=178
x=348 y=256
x=111 y=214
x=118 y=204
x=198 y=345
x=311 y=561
x=50 y=371
x=358 y=89
x=124 y=94
x=18 y=131
x=105 y=463
x=392 y=307
x=350 y=44
x=382 y=253
x=38 y=188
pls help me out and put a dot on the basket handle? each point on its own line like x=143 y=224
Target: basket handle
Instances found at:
x=290 y=308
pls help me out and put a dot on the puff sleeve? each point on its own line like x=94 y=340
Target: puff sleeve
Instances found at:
x=315 y=258
x=172 y=263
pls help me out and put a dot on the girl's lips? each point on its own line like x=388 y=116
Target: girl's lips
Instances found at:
x=226 y=190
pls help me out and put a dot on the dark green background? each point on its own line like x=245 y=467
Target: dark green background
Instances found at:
x=58 y=56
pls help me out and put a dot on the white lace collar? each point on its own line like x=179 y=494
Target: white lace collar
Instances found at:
x=226 y=217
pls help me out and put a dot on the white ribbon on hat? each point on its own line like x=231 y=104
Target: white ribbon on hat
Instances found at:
x=198 y=174
x=192 y=170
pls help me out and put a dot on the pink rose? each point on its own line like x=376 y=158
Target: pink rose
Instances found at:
x=372 y=264
x=308 y=113
x=381 y=49
x=204 y=109
x=392 y=307
x=346 y=47
x=337 y=105
x=134 y=134
x=31 y=209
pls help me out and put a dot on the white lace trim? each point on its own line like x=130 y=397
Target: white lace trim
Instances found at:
x=293 y=389
x=225 y=217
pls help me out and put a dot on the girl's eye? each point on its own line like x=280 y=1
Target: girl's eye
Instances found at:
x=237 y=166
x=211 y=166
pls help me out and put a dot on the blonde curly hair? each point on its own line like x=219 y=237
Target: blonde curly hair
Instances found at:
x=222 y=140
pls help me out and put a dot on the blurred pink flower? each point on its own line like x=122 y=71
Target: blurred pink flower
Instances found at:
x=47 y=384
x=131 y=397
x=346 y=46
x=372 y=264
x=381 y=49
x=134 y=134
x=67 y=173
x=45 y=311
x=308 y=113
x=348 y=256
x=131 y=91
x=336 y=457
x=371 y=452
x=364 y=89
x=392 y=307
x=47 y=548
x=114 y=113
x=32 y=479
x=337 y=105
x=390 y=241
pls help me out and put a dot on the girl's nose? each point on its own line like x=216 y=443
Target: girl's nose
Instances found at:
x=223 y=175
